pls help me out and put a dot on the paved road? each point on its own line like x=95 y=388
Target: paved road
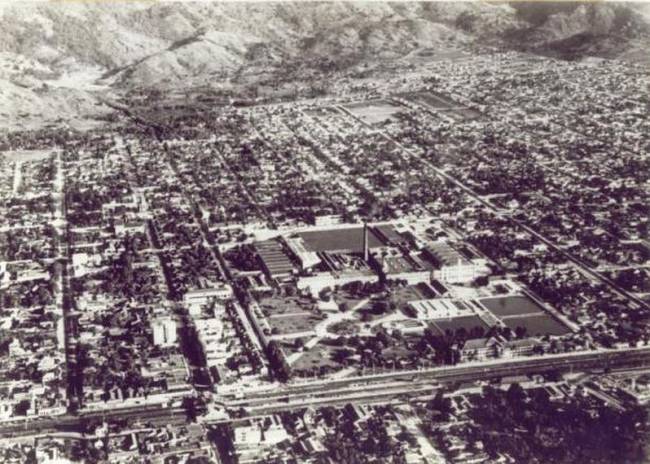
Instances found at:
x=575 y=260
x=157 y=415
x=370 y=387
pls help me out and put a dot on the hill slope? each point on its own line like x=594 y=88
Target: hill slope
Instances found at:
x=56 y=57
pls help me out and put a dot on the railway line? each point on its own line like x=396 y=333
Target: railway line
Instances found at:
x=408 y=384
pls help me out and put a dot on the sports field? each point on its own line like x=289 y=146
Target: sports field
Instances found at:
x=443 y=104
x=373 y=111
x=521 y=311
x=537 y=324
x=511 y=305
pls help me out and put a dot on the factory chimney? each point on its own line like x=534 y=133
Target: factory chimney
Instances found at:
x=365 y=242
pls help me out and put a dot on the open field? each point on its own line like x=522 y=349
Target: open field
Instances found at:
x=462 y=114
x=521 y=311
x=442 y=104
x=332 y=240
x=403 y=295
x=26 y=155
x=373 y=111
x=274 y=306
x=511 y=306
x=426 y=55
x=537 y=324
x=433 y=100
x=319 y=357
x=294 y=323
x=465 y=322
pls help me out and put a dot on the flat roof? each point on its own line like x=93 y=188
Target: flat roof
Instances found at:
x=349 y=240
x=446 y=254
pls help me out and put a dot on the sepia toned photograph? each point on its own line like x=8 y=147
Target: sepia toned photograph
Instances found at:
x=324 y=232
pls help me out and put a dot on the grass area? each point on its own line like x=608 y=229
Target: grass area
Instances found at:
x=511 y=306
x=442 y=103
x=401 y=296
x=396 y=352
x=465 y=322
x=347 y=328
x=434 y=100
x=344 y=297
x=537 y=324
x=274 y=306
x=373 y=111
x=320 y=356
x=291 y=324
x=349 y=239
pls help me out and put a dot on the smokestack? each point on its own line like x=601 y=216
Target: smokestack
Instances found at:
x=365 y=242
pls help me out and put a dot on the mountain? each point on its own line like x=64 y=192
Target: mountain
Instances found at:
x=57 y=58
x=574 y=29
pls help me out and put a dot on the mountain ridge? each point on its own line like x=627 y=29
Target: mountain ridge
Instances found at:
x=169 y=44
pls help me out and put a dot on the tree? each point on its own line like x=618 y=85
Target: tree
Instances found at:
x=480 y=281
x=325 y=294
x=380 y=307
x=516 y=394
x=190 y=406
x=442 y=404
x=278 y=361
x=20 y=409
x=341 y=355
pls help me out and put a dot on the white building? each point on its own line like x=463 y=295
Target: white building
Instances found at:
x=164 y=332
x=194 y=300
x=210 y=334
x=258 y=440
x=439 y=308
x=452 y=266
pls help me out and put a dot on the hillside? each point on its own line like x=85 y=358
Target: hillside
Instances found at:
x=55 y=58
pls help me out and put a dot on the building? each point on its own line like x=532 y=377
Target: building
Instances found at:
x=253 y=442
x=452 y=266
x=398 y=266
x=275 y=261
x=439 y=308
x=164 y=332
x=196 y=299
